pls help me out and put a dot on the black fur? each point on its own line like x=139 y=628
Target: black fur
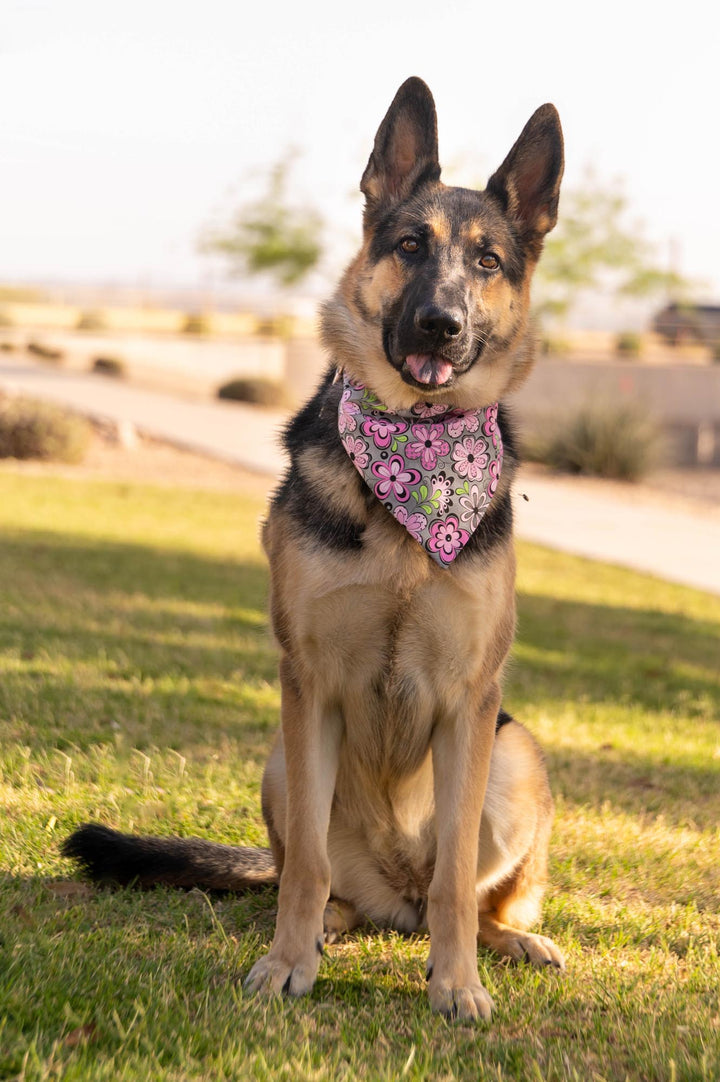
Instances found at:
x=315 y=426
x=107 y=856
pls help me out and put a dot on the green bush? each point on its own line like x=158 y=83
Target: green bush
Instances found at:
x=600 y=439
x=196 y=323
x=31 y=429
x=555 y=347
x=255 y=390
x=91 y=321
x=109 y=366
x=628 y=344
x=46 y=353
x=277 y=326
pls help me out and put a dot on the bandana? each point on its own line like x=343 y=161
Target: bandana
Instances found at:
x=434 y=468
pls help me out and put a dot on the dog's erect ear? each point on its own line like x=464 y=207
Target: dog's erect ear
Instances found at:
x=527 y=184
x=406 y=147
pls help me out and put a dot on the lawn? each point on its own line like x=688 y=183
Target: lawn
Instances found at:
x=137 y=687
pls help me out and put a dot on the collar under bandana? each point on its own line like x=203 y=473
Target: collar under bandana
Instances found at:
x=434 y=468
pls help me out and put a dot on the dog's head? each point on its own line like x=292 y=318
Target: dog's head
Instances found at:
x=435 y=305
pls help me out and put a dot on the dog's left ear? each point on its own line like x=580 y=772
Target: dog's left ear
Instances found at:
x=405 y=153
x=527 y=184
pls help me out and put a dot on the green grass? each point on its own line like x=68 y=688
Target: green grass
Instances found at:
x=137 y=686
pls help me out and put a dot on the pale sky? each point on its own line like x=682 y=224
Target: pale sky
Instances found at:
x=125 y=127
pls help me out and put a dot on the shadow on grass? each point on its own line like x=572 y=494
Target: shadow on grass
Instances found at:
x=173 y=646
x=595 y=653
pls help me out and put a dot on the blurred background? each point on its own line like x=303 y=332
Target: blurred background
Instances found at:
x=180 y=186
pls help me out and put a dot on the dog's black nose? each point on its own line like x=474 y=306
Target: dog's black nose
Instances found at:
x=440 y=322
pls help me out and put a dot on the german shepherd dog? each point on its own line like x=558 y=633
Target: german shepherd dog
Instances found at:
x=398 y=791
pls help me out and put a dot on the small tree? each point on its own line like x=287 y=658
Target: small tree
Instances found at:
x=595 y=248
x=270 y=235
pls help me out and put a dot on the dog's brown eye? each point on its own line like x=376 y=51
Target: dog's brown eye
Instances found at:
x=489 y=262
x=410 y=245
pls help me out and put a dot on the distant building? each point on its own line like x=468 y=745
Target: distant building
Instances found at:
x=678 y=323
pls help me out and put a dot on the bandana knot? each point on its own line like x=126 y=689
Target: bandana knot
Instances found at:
x=434 y=468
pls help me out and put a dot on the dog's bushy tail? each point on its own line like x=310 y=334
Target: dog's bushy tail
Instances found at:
x=107 y=856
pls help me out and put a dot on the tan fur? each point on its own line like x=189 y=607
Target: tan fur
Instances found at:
x=388 y=790
x=381 y=285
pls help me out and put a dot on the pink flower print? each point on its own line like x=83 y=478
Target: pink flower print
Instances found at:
x=490 y=427
x=414 y=524
x=347 y=416
x=394 y=476
x=495 y=467
x=357 y=449
x=470 y=457
x=460 y=421
x=428 y=444
x=428 y=409
x=441 y=489
x=475 y=504
x=382 y=429
x=447 y=538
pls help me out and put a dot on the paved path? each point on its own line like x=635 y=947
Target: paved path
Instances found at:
x=242 y=435
x=674 y=539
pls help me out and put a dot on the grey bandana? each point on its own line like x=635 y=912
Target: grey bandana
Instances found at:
x=434 y=468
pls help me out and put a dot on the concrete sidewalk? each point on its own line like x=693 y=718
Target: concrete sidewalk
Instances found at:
x=242 y=435
x=631 y=526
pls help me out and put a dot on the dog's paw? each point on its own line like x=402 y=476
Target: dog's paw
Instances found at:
x=470 y=1002
x=536 y=949
x=339 y=918
x=275 y=974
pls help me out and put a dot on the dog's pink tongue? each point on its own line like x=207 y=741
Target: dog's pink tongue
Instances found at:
x=429 y=368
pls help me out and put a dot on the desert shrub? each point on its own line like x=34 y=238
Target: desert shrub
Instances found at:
x=7 y=347
x=279 y=326
x=91 y=321
x=255 y=390
x=46 y=353
x=109 y=366
x=601 y=439
x=628 y=344
x=196 y=323
x=556 y=347
x=31 y=429
x=22 y=295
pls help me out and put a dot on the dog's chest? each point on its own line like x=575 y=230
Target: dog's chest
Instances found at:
x=399 y=644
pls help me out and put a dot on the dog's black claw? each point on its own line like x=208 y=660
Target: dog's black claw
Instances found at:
x=286 y=986
x=428 y=973
x=320 y=945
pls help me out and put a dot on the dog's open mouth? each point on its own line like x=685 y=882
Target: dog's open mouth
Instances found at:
x=430 y=369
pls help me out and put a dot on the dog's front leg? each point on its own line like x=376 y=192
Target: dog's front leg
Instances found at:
x=461 y=750
x=311 y=735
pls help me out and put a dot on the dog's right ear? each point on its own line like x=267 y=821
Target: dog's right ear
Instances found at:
x=406 y=148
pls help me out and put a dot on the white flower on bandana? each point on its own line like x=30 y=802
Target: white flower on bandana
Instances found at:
x=474 y=505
